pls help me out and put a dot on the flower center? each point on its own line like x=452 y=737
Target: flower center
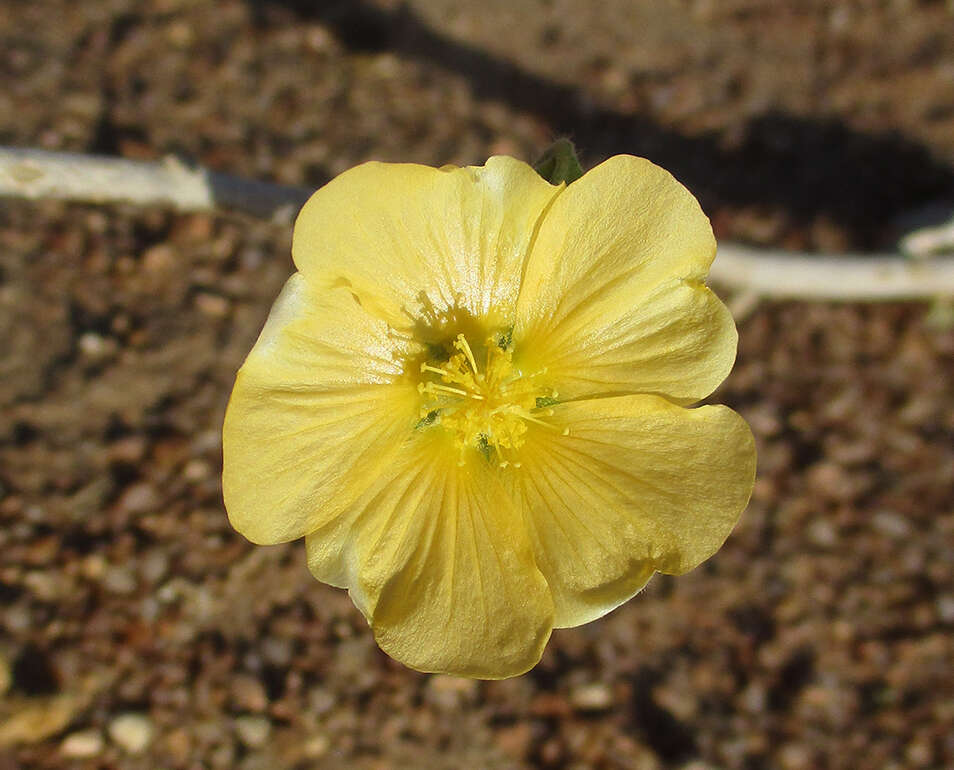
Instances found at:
x=485 y=406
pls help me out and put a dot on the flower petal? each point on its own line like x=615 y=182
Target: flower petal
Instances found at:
x=320 y=403
x=438 y=560
x=613 y=301
x=638 y=485
x=679 y=341
x=406 y=238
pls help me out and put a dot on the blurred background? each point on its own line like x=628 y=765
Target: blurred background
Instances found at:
x=137 y=630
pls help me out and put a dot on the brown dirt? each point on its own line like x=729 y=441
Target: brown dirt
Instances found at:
x=819 y=637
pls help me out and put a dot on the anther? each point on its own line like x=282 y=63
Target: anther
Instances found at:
x=430 y=387
x=427 y=368
x=464 y=347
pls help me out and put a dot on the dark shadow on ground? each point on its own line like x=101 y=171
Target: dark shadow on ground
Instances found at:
x=807 y=167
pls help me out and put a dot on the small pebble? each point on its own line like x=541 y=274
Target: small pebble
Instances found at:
x=592 y=697
x=159 y=258
x=196 y=470
x=321 y=701
x=278 y=652
x=129 y=449
x=212 y=305
x=891 y=524
x=5 y=676
x=944 y=605
x=179 y=745
x=253 y=731
x=449 y=692
x=95 y=346
x=822 y=533
x=119 y=580
x=82 y=745
x=154 y=566
x=40 y=719
x=317 y=746
x=132 y=732
x=515 y=740
x=795 y=756
x=140 y=498
x=249 y=694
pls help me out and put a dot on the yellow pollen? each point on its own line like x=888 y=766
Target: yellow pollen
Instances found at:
x=489 y=409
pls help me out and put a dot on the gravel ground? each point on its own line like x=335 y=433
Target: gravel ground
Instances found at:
x=138 y=631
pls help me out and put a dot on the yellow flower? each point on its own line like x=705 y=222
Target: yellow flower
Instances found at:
x=470 y=400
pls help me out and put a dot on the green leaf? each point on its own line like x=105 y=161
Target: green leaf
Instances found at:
x=559 y=163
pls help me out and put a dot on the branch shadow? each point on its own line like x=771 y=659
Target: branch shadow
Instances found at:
x=807 y=167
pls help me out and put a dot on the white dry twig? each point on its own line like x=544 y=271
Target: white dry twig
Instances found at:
x=844 y=277
x=751 y=272
x=39 y=174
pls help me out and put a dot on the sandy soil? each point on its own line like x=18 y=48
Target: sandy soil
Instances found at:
x=138 y=631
